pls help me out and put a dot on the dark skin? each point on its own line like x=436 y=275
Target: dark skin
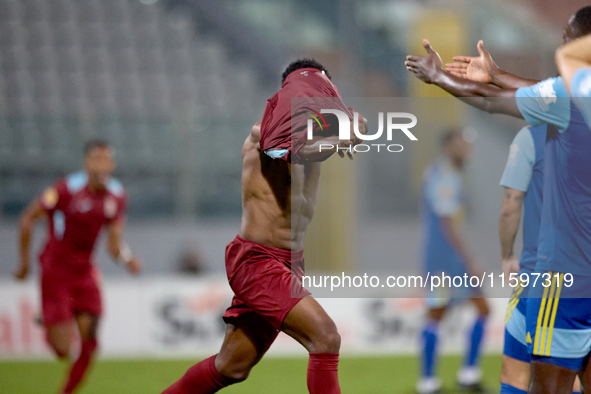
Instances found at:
x=278 y=202
x=480 y=83
x=496 y=94
x=482 y=68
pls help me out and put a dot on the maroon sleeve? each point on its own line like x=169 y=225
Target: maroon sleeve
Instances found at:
x=121 y=209
x=56 y=197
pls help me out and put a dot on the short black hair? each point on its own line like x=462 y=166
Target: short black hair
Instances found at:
x=303 y=63
x=95 y=143
x=581 y=22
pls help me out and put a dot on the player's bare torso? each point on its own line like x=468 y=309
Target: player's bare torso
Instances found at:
x=278 y=198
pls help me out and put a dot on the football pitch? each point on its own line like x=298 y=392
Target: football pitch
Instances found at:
x=373 y=375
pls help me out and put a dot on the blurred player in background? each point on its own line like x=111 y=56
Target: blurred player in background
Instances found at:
x=76 y=208
x=446 y=251
x=264 y=263
x=574 y=64
x=558 y=329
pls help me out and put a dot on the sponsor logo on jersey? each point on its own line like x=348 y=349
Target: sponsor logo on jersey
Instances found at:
x=546 y=94
x=84 y=205
x=49 y=197
x=513 y=149
x=110 y=207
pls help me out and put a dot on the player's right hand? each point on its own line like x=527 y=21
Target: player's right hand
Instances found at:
x=475 y=68
x=22 y=272
x=425 y=68
x=510 y=265
x=345 y=146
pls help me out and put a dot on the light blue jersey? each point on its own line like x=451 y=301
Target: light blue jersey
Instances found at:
x=580 y=90
x=524 y=171
x=558 y=326
x=565 y=232
x=442 y=196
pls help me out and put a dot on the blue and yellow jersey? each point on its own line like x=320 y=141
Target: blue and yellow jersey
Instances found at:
x=524 y=171
x=565 y=232
x=442 y=196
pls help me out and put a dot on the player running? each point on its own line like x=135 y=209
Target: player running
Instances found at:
x=77 y=208
x=445 y=250
x=265 y=262
x=558 y=329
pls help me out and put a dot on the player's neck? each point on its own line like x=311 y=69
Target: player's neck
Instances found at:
x=96 y=189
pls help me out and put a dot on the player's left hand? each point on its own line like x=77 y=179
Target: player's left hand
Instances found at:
x=135 y=265
x=426 y=67
x=475 y=68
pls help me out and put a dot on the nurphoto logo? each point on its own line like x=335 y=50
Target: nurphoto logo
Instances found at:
x=393 y=123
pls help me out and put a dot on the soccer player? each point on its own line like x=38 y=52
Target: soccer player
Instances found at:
x=76 y=208
x=523 y=181
x=574 y=64
x=558 y=329
x=264 y=263
x=446 y=251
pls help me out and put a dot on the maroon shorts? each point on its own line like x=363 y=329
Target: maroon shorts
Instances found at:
x=265 y=280
x=64 y=297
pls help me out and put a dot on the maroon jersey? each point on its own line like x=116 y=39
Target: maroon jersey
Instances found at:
x=279 y=132
x=76 y=216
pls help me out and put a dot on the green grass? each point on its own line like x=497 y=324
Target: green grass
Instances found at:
x=373 y=375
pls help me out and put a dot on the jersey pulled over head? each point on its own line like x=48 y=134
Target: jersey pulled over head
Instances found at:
x=305 y=91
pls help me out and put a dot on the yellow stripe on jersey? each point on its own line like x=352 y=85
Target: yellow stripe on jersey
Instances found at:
x=549 y=306
x=554 y=309
x=513 y=303
x=540 y=314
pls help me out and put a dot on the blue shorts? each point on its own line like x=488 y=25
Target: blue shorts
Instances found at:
x=515 y=343
x=558 y=328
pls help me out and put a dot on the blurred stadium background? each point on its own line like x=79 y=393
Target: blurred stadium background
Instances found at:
x=175 y=85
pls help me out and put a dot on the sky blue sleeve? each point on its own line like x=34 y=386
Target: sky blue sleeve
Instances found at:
x=444 y=194
x=545 y=102
x=580 y=90
x=520 y=164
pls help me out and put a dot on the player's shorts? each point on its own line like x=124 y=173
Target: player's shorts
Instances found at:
x=558 y=327
x=515 y=342
x=265 y=280
x=64 y=297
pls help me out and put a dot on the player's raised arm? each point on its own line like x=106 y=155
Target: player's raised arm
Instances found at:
x=572 y=57
x=32 y=213
x=429 y=69
x=482 y=68
x=120 y=251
